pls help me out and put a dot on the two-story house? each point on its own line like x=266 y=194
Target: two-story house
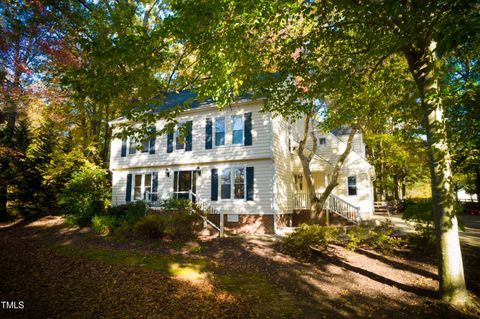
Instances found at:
x=237 y=160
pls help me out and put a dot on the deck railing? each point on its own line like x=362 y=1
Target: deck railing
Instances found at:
x=154 y=200
x=333 y=204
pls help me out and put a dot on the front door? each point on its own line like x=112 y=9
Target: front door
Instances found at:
x=183 y=183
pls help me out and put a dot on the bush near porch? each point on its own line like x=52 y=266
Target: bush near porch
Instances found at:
x=307 y=239
x=174 y=221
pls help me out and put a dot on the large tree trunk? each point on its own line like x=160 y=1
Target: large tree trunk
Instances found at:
x=333 y=182
x=421 y=60
x=316 y=213
x=477 y=184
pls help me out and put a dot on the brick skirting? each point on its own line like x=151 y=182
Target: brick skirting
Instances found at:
x=247 y=224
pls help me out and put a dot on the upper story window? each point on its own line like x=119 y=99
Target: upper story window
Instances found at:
x=220 y=131
x=179 y=137
x=237 y=129
x=352 y=185
x=322 y=141
x=132 y=146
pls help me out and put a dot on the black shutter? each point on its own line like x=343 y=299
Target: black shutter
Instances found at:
x=128 y=195
x=169 y=142
x=208 y=134
x=249 y=183
x=214 y=193
x=124 y=148
x=153 y=140
x=248 y=128
x=154 y=197
x=188 y=145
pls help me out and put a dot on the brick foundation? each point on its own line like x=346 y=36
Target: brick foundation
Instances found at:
x=247 y=224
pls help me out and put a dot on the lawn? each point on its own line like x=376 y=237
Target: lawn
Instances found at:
x=61 y=272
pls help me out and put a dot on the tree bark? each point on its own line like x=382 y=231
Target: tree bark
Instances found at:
x=477 y=184
x=316 y=213
x=336 y=169
x=421 y=60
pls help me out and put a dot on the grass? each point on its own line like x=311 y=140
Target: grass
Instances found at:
x=268 y=296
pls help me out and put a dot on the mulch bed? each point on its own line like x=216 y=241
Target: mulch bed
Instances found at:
x=349 y=285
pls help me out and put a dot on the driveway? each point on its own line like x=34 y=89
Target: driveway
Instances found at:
x=470 y=236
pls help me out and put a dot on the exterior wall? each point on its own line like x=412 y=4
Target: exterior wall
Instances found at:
x=355 y=165
x=283 y=184
x=262 y=186
x=260 y=147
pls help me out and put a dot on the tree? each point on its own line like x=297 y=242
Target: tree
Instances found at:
x=243 y=41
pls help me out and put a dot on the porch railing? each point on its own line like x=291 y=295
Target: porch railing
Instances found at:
x=154 y=200
x=333 y=204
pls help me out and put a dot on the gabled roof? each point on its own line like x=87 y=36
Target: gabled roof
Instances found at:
x=341 y=131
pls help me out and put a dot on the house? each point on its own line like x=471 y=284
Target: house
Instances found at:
x=239 y=161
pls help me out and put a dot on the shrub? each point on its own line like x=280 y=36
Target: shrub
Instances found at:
x=182 y=225
x=150 y=227
x=175 y=204
x=86 y=193
x=135 y=211
x=382 y=237
x=104 y=224
x=299 y=242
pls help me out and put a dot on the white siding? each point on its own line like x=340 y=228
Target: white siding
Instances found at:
x=283 y=171
x=263 y=191
x=260 y=147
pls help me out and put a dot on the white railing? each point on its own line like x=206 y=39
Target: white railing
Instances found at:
x=333 y=204
x=154 y=199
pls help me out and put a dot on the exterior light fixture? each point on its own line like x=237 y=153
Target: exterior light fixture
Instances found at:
x=167 y=172
x=199 y=171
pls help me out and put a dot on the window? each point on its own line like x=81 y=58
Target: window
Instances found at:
x=137 y=189
x=132 y=147
x=220 y=131
x=239 y=183
x=298 y=182
x=142 y=185
x=179 y=137
x=322 y=141
x=237 y=124
x=226 y=184
x=352 y=185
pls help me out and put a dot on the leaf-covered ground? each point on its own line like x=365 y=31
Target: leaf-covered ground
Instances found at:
x=61 y=272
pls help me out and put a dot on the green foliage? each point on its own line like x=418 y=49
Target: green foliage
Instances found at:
x=299 y=242
x=175 y=204
x=382 y=237
x=87 y=193
x=182 y=225
x=151 y=226
x=104 y=224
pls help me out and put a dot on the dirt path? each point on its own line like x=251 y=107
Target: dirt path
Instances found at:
x=70 y=273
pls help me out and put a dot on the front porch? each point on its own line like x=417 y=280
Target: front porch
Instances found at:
x=333 y=205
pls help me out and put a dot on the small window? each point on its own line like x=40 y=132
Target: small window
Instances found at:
x=352 y=186
x=237 y=123
x=239 y=183
x=132 y=147
x=179 y=137
x=220 y=131
x=322 y=141
x=226 y=184
x=298 y=182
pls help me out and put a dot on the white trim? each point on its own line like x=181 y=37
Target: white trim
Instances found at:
x=241 y=116
x=232 y=184
x=214 y=144
x=356 y=186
